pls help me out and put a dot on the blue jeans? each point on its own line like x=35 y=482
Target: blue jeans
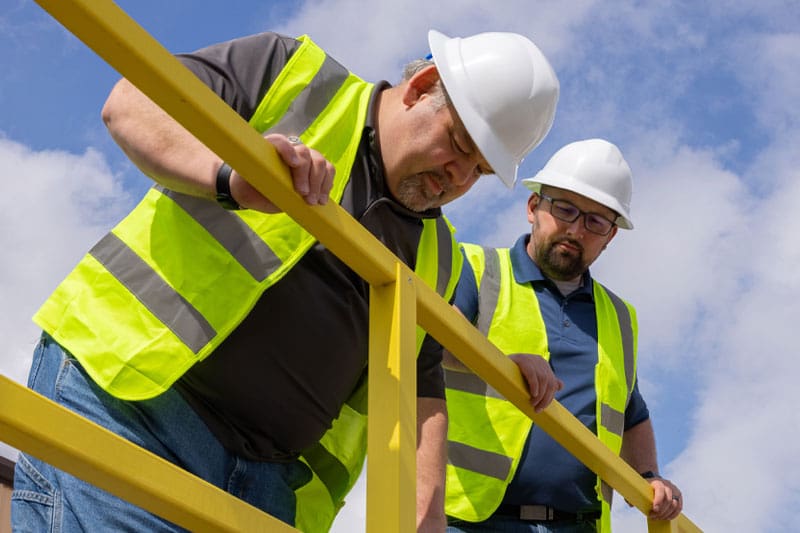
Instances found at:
x=47 y=499
x=509 y=524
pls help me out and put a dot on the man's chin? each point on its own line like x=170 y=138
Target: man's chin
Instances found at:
x=419 y=202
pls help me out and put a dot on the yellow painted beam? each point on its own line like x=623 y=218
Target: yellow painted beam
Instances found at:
x=44 y=429
x=392 y=432
x=661 y=526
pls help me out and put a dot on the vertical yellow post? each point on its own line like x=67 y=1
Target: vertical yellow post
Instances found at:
x=392 y=430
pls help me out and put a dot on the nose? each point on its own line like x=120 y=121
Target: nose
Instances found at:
x=577 y=227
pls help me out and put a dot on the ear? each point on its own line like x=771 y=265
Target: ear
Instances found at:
x=533 y=201
x=611 y=236
x=420 y=84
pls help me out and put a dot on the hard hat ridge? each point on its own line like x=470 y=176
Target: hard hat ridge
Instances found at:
x=504 y=91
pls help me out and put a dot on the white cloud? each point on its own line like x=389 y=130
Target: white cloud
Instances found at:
x=397 y=31
x=54 y=207
x=745 y=425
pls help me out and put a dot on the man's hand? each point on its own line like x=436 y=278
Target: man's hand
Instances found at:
x=542 y=382
x=312 y=175
x=667 y=500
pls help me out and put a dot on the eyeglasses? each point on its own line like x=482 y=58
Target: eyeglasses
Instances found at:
x=566 y=211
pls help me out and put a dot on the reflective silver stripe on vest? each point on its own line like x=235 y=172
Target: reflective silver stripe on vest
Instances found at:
x=607 y=491
x=612 y=420
x=489 y=290
x=445 y=243
x=157 y=296
x=488 y=294
x=626 y=330
x=469 y=382
x=329 y=469
x=477 y=460
x=313 y=99
x=231 y=232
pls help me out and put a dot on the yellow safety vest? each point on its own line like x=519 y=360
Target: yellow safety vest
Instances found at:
x=487 y=434
x=174 y=278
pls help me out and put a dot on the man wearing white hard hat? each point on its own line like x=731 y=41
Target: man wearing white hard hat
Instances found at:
x=215 y=332
x=573 y=340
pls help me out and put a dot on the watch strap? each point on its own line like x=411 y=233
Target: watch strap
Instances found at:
x=224 y=197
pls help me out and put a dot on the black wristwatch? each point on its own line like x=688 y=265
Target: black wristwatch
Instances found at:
x=650 y=475
x=224 y=197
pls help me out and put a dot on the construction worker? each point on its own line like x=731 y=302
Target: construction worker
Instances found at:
x=214 y=331
x=572 y=338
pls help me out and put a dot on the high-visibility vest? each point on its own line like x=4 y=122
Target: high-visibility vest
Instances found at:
x=487 y=434
x=174 y=278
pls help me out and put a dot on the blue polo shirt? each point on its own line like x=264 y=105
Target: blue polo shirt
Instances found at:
x=548 y=474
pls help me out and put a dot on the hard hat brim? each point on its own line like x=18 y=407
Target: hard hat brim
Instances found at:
x=445 y=54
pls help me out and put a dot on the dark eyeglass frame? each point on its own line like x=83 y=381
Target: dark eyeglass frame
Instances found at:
x=567 y=205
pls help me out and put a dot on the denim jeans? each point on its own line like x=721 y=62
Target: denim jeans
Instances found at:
x=509 y=524
x=47 y=499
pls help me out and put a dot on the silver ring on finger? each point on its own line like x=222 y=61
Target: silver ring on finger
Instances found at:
x=294 y=140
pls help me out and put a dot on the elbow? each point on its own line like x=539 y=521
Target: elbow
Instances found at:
x=107 y=113
x=116 y=104
x=110 y=107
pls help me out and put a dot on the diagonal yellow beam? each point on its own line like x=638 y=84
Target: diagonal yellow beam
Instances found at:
x=391 y=435
x=661 y=526
x=44 y=429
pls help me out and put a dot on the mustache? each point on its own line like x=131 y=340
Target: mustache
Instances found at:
x=567 y=240
x=438 y=177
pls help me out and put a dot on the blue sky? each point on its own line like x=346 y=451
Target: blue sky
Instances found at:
x=701 y=97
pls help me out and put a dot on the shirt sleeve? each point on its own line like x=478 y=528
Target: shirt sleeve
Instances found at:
x=430 y=376
x=636 y=411
x=241 y=71
x=466 y=295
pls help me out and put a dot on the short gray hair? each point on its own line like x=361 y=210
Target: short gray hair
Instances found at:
x=440 y=98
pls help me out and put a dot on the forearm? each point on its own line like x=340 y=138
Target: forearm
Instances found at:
x=161 y=148
x=431 y=461
x=639 y=447
x=639 y=451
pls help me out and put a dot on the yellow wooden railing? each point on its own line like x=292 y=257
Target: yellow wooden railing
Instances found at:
x=398 y=301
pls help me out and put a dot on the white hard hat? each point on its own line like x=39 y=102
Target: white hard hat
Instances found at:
x=593 y=168
x=504 y=91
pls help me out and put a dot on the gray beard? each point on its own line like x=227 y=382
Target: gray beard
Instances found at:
x=411 y=194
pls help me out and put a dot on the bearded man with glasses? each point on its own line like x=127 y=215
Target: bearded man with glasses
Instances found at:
x=573 y=340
